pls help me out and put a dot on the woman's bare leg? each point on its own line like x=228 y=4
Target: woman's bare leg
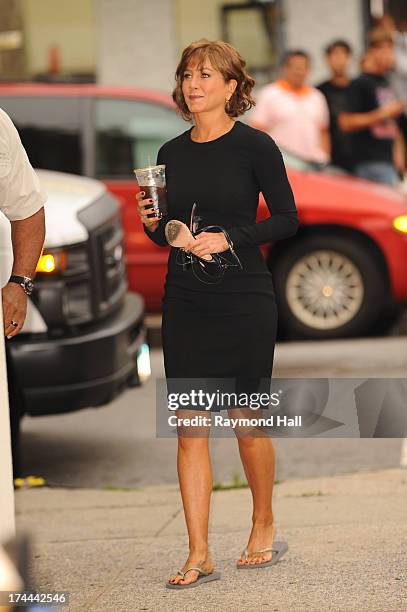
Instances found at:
x=258 y=458
x=195 y=479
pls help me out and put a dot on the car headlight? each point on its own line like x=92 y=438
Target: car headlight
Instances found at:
x=400 y=223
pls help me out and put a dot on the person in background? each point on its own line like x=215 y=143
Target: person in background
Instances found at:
x=372 y=117
x=399 y=37
x=366 y=63
x=294 y=114
x=336 y=90
x=400 y=48
x=22 y=202
x=386 y=22
x=398 y=76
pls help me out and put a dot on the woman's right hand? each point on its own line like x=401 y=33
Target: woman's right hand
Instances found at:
x=150 y=222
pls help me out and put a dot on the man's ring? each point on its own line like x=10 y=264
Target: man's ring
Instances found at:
x=14 y=323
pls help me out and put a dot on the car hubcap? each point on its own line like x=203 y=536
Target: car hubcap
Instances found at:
x=324 y=290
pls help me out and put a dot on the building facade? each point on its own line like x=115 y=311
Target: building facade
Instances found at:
x=138 y=42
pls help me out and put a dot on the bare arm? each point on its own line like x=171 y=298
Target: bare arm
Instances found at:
x=27 y=236
x=353 y=122
x=326 y=141
x=399 y=152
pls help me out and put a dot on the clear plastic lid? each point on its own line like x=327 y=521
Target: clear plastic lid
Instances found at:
x=152 y=175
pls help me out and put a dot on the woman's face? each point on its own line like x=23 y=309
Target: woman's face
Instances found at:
x=205 y=89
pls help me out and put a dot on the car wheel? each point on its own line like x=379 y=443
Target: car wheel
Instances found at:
x=328 y=287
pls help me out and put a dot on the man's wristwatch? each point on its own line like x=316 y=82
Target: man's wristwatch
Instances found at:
x=24 y=281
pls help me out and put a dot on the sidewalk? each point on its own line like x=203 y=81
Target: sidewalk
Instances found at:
x=113 y=550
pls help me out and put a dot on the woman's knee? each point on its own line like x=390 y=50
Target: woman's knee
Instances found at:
x=193 y=444
x=191 y=427
x=247 y=428
x=248 y=436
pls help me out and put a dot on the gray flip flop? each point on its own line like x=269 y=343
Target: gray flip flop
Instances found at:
x=203 y=577
x=278 y=549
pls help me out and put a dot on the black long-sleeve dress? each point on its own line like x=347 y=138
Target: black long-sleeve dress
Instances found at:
x=228 y=330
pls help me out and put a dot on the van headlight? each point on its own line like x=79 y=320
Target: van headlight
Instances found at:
x=63 y=285
x=400 y=224
x=51 y=262
x=143 y=362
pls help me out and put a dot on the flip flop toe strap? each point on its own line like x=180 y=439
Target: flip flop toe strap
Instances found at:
x=198 y=569
x=262 y=550
x=246 y=553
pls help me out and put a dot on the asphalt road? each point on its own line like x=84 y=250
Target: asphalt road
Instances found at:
x=116 y=445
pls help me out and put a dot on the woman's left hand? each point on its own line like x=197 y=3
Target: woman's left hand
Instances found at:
x=206 y=243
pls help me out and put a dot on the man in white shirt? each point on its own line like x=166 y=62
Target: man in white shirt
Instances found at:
x=22 y=202
x=294 y=114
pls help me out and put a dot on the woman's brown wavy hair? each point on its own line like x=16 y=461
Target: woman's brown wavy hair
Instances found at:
x=230 y=64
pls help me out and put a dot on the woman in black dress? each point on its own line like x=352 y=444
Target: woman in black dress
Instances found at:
x=227 y=329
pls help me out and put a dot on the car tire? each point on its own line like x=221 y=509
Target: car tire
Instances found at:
x=329 y=287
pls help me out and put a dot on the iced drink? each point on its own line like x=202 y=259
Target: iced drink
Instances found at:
x=152 y=181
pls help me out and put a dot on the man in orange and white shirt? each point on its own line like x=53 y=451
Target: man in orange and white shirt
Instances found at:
x=294 y=114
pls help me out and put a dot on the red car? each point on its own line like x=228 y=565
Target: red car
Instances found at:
x=343 y=273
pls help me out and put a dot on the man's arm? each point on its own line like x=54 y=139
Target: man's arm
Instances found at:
x=22 y=202
x=399 y=152
x=326 y=141
x=353 y=122
x=324 y=123
x=27 y=236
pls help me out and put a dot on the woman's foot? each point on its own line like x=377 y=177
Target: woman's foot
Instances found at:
x=262 y=536
x=195 y=559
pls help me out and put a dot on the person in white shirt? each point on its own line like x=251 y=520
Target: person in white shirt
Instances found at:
x=294 y=114
x=22 y=202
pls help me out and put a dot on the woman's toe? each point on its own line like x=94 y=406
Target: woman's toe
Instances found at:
x=189 y=578
x=174 y=579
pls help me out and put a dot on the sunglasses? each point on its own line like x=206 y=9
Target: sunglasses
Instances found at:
x=207 y=271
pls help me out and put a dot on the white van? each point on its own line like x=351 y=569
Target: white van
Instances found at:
x=83 y=341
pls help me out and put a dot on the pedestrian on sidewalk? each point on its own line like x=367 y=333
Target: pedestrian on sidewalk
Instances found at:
x=377 y=143
x=22 y=202
x=225 y=330
x=293 y=113
x=336 y=89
